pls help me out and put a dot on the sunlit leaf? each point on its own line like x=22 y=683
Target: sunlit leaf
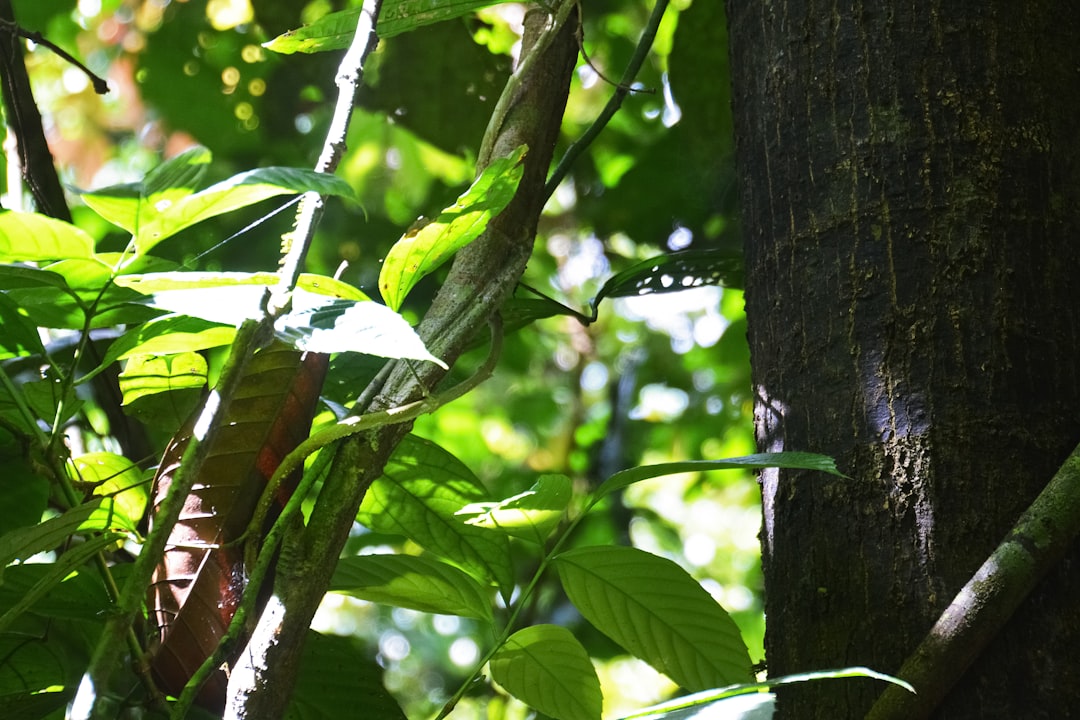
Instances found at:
x=334 y=31
x=531 y=515
x=421 y=489
x=87 y=288
x=238 y=191
x=673 y=272
x=655 y=610
x=151 y=374
x=120 y=482
x=319 y=324
x=546 y=667
x=413 y=582
x=154 y=215
x=336 y=674
x=790 y=460
x=698 y=702
x=33 y=237
x=423 y=249
x=162 y=390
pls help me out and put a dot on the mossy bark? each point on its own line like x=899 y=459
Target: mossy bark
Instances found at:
x=911 y=204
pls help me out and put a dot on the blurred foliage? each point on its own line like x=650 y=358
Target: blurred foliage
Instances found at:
x=654 y=379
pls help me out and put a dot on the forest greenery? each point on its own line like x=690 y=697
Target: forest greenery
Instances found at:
x=561 y=518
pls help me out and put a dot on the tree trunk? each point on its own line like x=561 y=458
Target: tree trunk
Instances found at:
x=910 y=187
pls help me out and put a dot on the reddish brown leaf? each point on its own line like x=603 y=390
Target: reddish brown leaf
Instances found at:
x=202 y=576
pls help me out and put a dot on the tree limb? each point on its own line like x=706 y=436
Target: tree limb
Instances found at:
x=1037 y=542
x=482 y=276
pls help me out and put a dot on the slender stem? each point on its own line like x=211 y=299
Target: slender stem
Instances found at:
x=613 y=104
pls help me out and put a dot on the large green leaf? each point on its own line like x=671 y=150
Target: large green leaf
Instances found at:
x=327 y=315
x=790 y=460
x=32 y=237
x=409 y=581
x=423 y=249
x=531 y=515
x=337 y=677
x=152 y=216
x=546 y=667
x=334 y=31
x=418 y=496
x=655 y=610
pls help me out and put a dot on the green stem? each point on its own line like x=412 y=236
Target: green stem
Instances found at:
x=613 y=104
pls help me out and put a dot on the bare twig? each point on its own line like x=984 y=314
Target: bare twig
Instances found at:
x=38 y=170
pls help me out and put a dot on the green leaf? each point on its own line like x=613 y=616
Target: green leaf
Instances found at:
x=153 y=217
x=546 y=667
x=423 y=249
x=18 y=336
x=163 y=390
x=32 y=237
x=695 y=701
x=180 y=174
x=87 y=287
x=46 y=535
x=24 y=490
x=421 y=489
x=120 y=482
x=673 y=272
x=78 y=596
x=67 y=563
x=334 y=31
x=409 y=581
x=323 y=325
x=238 y=191
x=531 y=515
x=338 y=673
x=790 y=460
x=655 y=610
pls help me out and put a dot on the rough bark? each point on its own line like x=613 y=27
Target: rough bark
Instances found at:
x=910 y=180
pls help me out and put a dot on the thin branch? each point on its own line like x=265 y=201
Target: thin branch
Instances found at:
x=24 y=120
x=1038 y=541
x=614 y=103
x=100 y=86
x=349 y=77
